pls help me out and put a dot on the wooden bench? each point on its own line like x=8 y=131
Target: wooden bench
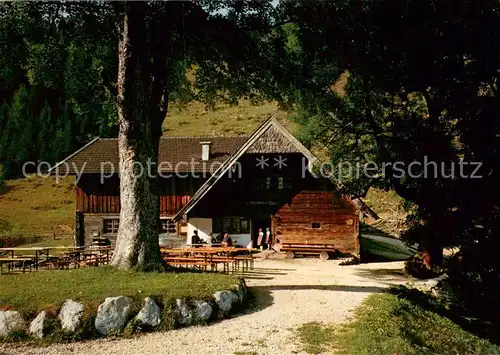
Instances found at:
x=323 y=250
x=196 y=264
x=248 y=261
x=227 y=262
x=11 y=261
x=59 y=262
x=213 y=262
x=94 y=260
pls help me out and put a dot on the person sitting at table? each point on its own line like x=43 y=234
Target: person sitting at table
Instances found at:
x=219 y=238
x=195 y=239
x=227 y=241
x=213 y=240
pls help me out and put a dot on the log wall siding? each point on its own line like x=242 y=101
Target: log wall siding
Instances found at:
x=338 y=219
x=98 y=204
x=93 y=197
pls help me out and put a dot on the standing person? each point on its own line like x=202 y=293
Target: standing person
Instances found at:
x=268 y=239
x=260 y=239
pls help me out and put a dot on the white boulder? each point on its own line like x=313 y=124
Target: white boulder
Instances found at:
x=112 y=314
x=36 y=326
x=203 y=310
x=225 y=300
x=10 y=321
x=150 y=313
x=70 y=315
x=183 y=314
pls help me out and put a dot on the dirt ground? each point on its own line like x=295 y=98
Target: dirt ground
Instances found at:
x=289 y=294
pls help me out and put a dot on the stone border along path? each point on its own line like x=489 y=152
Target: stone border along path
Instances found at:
x=116 y=315
x=289 y=294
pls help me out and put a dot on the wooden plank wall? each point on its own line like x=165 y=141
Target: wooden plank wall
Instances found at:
x=95 y=198
x=170 y=205
x=96 y=203
x=338 y=219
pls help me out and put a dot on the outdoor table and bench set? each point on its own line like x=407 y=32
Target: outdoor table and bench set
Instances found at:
x=203 y=257
x=232 y=259
x=31 y=258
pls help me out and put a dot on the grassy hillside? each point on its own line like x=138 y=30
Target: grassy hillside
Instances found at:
x=197 y=120
x=388 y=206
x=37 y=206
x=385 y=203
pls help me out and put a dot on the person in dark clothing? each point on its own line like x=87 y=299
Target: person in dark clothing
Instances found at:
x=195 y=239
x=220 y=237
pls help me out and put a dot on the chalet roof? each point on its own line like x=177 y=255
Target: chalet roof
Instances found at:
x=270 y=137
x=183 y=152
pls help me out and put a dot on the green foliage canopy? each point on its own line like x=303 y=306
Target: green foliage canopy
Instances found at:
x=422 y=86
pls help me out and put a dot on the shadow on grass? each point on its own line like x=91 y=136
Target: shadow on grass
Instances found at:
x=476 y=326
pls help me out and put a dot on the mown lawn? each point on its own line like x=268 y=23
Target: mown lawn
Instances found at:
x=386 y=324
x=33 y=292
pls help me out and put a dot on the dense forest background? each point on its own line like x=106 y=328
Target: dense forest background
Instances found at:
x=57 y=74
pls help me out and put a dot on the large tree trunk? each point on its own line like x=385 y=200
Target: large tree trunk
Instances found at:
x=139 y=121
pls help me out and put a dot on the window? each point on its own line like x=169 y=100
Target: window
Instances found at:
x=110 y=225
x=275 y=183
x=316 y=225
x=168 y=226
x=280 y=182
x=259 y=184
x=231 y=225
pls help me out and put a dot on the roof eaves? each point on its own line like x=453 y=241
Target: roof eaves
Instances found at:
x=73 y=154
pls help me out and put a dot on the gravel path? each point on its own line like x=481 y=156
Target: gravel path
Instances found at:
x=291 y=293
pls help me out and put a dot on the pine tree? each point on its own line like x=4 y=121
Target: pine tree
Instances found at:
x=3 y=126
x=63 y=138
x=2 y=178
x=45 y=133
x=18 y=135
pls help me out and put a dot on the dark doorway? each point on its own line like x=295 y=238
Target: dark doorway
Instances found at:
x=260 y=223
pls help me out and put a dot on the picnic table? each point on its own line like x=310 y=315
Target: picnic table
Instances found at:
x=39 y=251
x=212 y=255
x=92 y=254
x=10 y=262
